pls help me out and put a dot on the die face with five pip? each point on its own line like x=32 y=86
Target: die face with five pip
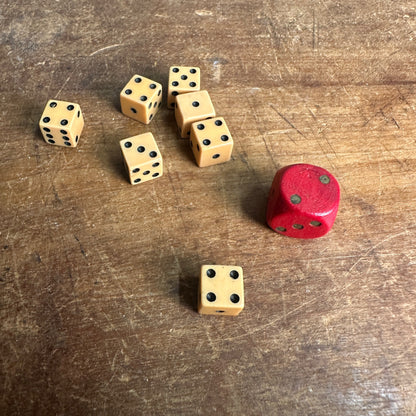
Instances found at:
x=221 y=290
x=303 y=201
x=192 y=107
x=211 y=142
x=141 y=98
x=142 y=158
x=61 y=123
x=182 y=79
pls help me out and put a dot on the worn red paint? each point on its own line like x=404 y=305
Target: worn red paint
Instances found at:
x=303 y=201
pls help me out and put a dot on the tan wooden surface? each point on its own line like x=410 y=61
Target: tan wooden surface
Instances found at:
x=99 y=278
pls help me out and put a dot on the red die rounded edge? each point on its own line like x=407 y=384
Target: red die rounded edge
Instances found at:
x=303 y=201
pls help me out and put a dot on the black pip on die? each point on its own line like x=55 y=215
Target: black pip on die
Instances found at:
x=61 y=123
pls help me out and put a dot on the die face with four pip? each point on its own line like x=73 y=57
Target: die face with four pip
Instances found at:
x=142 y=158
x=211 y=142
x=182 y=79
x=61 y=123
x=303 y=201
x=192 y=107
x=141 y=98
x=221 y=290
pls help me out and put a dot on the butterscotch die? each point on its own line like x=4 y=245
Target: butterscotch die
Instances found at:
x=221 y=290
x=61 y=123
x=211 y=142
x=142 y=158
x=192 y=107
x=182 y=79
x=141 y=98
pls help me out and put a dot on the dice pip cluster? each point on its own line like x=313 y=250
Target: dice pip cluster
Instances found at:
x=303 y=199
x=210 y=139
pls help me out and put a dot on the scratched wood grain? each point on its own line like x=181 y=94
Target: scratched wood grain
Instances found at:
x=99 y=278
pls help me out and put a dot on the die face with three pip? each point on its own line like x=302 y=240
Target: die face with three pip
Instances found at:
x=211 y=142
x=192 y=107
x=303 y=201
x=61 y=123
x=182 y=79
x=141 y=98
x=221 y=290
x=142 y=158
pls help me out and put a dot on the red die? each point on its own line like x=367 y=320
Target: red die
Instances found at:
x=303 y=201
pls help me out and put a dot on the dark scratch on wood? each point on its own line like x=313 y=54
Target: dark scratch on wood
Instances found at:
x=381 y=110
x=395 y=122
x=57 y=199
x=80 y=246
x=287 y=121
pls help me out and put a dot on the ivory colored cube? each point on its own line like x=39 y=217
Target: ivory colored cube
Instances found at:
x=192 y=107
x=211 y=142
x=141 y=98
x=182 y=79
x=142 y=158
x=221 y=290
x=61 y=123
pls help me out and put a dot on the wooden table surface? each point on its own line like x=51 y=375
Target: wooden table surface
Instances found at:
x=99 y=277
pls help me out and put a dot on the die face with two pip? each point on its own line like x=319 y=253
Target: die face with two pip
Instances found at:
x=192 y=107
x=141 y=98
x=61 y=123
x=182 y=79
x=221 y=290
x=142 y=158
x=303 y=201
x=211 y=142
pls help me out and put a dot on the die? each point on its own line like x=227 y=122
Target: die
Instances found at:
x=192 y=107
x=141 y=98
x=142 y=158
x=211 y=142
x=182 y=79
x=221 y=290
x=303 y=201
x=61 y=123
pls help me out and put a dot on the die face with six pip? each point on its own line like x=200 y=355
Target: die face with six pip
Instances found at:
x=303 y=201
x=192 y=107
x=142 y=158
x=221 y=290
x=211 y=142
x=182 y=79
x=141 y=98
x=61 y=123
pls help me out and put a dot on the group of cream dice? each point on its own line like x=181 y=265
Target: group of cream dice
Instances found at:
x=221 y=289
x=210 y=139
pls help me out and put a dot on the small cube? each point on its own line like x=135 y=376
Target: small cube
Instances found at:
x=182 y=79
x=142 y=158
x=221 y=290
x=211 y=142
x=192 y=107
x=61 y=123
x=141 y=98
x=303 y=201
